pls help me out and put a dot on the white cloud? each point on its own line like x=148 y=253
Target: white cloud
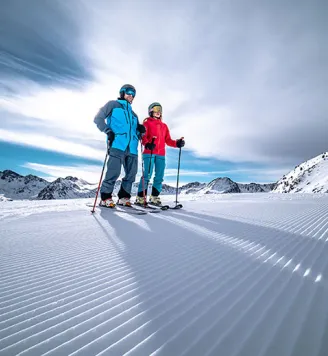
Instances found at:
x=53 y=144
x=68 y=113
x=169 y=172
x=236 y=85
x=90 y=173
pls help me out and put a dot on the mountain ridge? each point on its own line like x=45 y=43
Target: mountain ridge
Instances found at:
x=34 y=187
x=310 y=176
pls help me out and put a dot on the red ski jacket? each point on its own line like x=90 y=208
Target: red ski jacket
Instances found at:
x=156 y=127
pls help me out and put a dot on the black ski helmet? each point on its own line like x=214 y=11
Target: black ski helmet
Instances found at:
x=151 y=106
x=124 y=89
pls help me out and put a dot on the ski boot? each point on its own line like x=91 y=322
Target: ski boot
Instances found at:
x=124 y=202
x=140 y=201
x=155 y=200
x=107 y=203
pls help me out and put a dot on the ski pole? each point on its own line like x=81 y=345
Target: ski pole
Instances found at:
x=143 y=174
x=151 y=155
x=176 y=194
x=102 y=172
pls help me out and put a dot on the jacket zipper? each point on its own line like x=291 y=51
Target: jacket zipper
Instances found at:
x=158 y=127
x=129 y=122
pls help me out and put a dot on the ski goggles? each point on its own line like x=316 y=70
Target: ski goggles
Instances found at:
x=157 y=109
x=129 y=91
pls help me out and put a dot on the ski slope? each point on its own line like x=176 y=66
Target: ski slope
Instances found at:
x=230 y=275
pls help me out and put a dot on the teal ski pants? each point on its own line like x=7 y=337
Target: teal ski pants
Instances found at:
x=151 y=163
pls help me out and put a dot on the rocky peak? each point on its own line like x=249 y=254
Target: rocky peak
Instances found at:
x=310 y=176
x=9 y=175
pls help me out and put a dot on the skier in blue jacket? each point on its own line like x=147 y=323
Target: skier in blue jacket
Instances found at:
x=120 y=123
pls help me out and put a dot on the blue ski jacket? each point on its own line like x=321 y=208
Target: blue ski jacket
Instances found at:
x=118 y=116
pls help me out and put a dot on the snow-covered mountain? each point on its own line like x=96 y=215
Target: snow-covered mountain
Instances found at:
x=192 y=188
x=68 y=188
x=256 y=188
x=16 y=186
x=225 y=185
x=308 y=177
x=221 y=185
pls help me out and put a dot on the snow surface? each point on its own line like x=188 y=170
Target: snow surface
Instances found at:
x=230 y=275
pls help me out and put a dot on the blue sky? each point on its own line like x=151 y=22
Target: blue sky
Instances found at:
x=245 y=82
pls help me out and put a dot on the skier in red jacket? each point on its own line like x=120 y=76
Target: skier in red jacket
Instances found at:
x=155 y=139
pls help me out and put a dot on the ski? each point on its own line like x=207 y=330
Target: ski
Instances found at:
x=122 y=209
x=132 y=209
x=158 y=207
x=162 y=207
x=177 y=206
x=147 y=208
x=136 y=208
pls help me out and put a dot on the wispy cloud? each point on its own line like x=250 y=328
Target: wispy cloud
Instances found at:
x=52 y=143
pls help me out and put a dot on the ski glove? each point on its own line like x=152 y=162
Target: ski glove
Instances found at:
x=111 y=136
x=141 y=129
x=150 y=146
x=180 y=143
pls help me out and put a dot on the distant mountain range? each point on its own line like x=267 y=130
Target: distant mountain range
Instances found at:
x=308 y=177
x=14 y=186
x=225 y=185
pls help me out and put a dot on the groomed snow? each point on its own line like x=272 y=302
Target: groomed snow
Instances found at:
x=229 y=275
